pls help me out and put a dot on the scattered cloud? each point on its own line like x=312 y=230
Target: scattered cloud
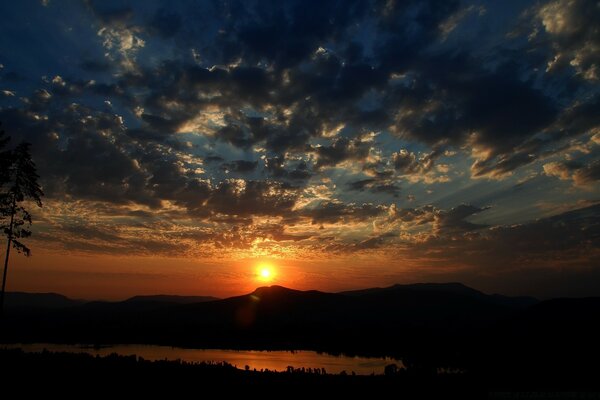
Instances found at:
x=307 y=127
x=581 y=175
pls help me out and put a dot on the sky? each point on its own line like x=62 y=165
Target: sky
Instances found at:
x=346 y=144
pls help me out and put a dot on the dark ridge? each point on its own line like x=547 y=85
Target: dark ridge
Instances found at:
x=39 y=300
x=425 y=325
x=165 y=298
x=449 y=288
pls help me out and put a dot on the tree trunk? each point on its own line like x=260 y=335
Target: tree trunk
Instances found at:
x=10 y=231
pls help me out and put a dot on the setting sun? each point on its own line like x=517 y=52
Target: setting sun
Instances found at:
x=266 y=272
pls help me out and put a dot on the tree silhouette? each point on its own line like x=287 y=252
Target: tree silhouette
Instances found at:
x=19 y=183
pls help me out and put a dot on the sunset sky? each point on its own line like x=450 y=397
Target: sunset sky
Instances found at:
x=183 y=145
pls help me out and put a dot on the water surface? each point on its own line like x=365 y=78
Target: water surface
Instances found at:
x=272 y=360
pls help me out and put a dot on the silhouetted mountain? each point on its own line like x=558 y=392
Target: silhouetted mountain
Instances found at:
x=427 y=325
x=517 y=301
x=452 y=287
x=39 y=300
x=165 y=298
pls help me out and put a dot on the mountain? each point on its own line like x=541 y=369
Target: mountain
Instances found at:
x=442 y=325
x=54 y=300
x=165 y=298
x=39 y=300
x=452 y=287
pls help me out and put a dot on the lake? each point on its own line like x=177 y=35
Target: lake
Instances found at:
x=272 y=360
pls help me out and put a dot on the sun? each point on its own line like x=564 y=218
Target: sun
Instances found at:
x=265 y=272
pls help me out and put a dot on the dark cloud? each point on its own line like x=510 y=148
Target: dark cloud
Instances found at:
x=407 y=163
x=298 y=171
x=494 y=112
x=83 y=153
x=373 y=242
x=277 y=233
x=93 y=239
x=581 y=117
x=494 y=109
x=567 y=239
x=565 y=242
x=241 y=166
x=340 y=150
x=150 y=114
x=286 y=33
x=211 y=158
x=375 y=185
x=584 y=175
x=454 y=220
x=238 y=197
x=412 y=217
x=335 y=212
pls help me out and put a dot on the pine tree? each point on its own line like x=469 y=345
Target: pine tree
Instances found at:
x=20 y=184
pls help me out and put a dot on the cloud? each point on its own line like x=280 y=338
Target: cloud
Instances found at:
x=239 y=197
x=375 y=186
x=240 y=166
x=340 y=150
x=445 y=242
x=454 y=220
x=407 y=163
x=82 y=152
x=571 y=28
x=333 y=212
x=120 y=37
x=451 y=23
x=582 y=175
x=283 y=106
x=569 y=239
x=291 y=128
x=295 y=171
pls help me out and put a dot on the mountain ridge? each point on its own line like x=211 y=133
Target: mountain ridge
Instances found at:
x=436 y=324
x=171 y=298
x=57 y=300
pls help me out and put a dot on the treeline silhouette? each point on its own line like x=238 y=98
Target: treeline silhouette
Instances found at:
x=68 y=374
x=501 y=342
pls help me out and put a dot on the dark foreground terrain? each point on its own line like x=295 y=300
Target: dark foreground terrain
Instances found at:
x=76 y=375
x=499 y=343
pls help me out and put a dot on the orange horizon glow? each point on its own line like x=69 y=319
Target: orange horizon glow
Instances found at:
x=115 y=278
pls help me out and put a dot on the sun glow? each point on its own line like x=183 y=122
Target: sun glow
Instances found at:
x=265 y=272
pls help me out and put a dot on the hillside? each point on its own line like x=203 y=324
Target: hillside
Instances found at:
x=441 y=325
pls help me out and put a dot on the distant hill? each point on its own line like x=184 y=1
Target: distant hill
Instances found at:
x=376 y=319
x=441 y=325
x=165 y=298
x=38 y=300
x=452 y=287
x=54 y=300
